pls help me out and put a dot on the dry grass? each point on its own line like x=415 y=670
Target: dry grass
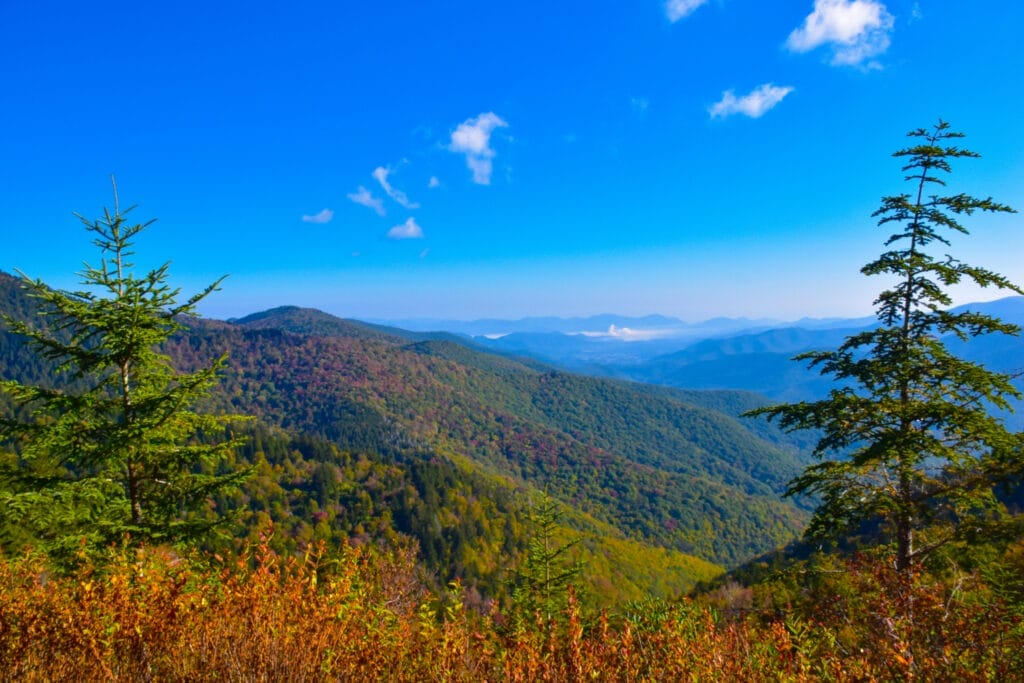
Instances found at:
x=364 y=617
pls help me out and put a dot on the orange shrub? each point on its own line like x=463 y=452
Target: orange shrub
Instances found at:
x=364 y=616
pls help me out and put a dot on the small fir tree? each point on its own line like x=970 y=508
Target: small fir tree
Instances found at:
x=542 y=584
x=918 y=443
x=115 y=449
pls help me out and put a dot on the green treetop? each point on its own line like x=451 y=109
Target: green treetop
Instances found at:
x=115 y=447
x=912 y=428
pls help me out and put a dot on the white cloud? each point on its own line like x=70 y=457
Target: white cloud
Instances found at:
x=473 y=138
x=324 y=216
x=363 y=197
x=678 y=9
x=381 y=175
x=640 y=105
x=406 y=231
x=855 y=29
x=754 y=104
x=423 y=254
x=482 y=167
x=629 y=334
x=433 y=182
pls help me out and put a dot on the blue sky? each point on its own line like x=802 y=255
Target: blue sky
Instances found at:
x=503 y=159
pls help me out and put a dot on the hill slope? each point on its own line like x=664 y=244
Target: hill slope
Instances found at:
x=659 y=468
x=423 y=436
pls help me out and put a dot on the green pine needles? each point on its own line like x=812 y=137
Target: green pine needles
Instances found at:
x=917 y=442
x=541 y=585
x=114 y=449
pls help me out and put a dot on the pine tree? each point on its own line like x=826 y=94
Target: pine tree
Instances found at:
x=913 y=429
x=114 y=449
x=542 y=584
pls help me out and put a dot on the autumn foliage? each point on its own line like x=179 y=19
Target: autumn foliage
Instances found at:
x=364 y=615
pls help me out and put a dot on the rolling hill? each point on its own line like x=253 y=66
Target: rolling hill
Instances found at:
x=382 y=435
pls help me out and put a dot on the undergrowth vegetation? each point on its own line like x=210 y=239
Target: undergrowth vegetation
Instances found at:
x=360 y=614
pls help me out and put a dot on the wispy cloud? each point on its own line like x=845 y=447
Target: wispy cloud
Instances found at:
x=754 y=104
x=381 y=175
x=679 y=9
x=473 y=138
x=408 y=230
x=365 y=198
x=324 y=216
x=856 y=30
x=433 y=182
x=640 y=105
x=629 y=334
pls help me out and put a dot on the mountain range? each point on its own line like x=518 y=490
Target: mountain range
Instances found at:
x=367 y=433
x=443 y=442
x=748 y=357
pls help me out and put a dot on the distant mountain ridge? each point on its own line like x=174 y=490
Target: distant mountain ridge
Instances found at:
x=596 y=324
x=1010 y=308
x=739 y=354
x=763 y=361
x=605 y=324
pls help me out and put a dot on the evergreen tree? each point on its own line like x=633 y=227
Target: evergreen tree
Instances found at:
x=542 y=584
x=112 y=447
x=914 y=429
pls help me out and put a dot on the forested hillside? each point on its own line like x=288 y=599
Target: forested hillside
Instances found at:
x=376 y=434
x=673 y=473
